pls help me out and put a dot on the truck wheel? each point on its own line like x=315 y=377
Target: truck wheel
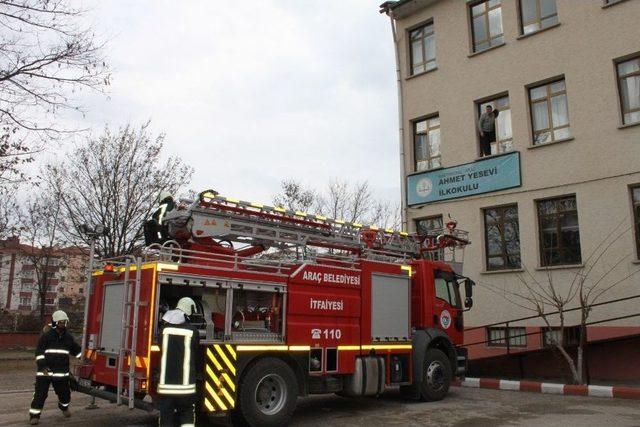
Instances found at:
x=436 y=376
x=267 y=394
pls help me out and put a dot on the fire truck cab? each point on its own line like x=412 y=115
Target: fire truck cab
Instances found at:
x=311 y=305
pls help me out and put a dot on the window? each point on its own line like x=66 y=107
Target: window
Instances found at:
x=629 y=87
x=504 y=136
x=446 y=288
x=502 y=238
x=635 y=200
x=486 y=24
x=431 y=226
x=427 y=143
x=536 y=15
x=49 y=301
x=497 y=337
x=549 y=112
x=551 y=336
x=25 y=300
x=423 y=49
x=559 y=231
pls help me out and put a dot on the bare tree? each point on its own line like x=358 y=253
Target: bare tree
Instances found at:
x=41 y=222
x=340 y=200
x=550 y=297
x=294 y=196
x=9 y=212
x=114 y=181
x=46 y=55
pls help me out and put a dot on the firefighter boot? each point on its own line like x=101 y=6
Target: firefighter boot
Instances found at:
x=66 y=413
x=34 y=421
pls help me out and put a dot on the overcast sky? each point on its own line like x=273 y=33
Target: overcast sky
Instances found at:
x=252 y=92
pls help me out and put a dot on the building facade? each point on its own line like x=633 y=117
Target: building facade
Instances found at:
x=555 y=207
x=65 y=276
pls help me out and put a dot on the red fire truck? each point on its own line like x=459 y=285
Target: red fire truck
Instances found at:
x=289 y=304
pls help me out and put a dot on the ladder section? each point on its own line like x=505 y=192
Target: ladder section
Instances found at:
x=218 y=217
x=129 y=338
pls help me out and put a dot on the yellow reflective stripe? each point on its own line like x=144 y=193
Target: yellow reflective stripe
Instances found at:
x=226 y=360
x=209 y=405
x=215 y=396
x=226 y=394
x=279 y=209
x=213 y=359
x=213 y=376
x=229 y=381
x=165 y=266
x=155 y=347
x=230 y=200
x=388 y=230
x=299 y=348
x=257 y=205
x=406 y=268
x=321 y=218
x=349 y=347
x=387 y=347
x=231 y=350
x=261 y=348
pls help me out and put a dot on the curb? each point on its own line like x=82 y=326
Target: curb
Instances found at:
x=620 y=392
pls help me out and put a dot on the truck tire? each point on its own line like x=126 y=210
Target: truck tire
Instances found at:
x=436 y=377
x=267 y=394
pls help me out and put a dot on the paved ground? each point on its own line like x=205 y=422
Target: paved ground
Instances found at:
x=463 y=407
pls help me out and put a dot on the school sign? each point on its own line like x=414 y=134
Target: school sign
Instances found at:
x=482 y=176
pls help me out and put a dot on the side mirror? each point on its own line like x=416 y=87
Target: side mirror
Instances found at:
x=468 y=287
x=468 y=292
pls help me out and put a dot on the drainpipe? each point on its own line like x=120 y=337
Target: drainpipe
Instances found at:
x=403 y=190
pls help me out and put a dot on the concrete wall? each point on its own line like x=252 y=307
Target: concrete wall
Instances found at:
x=598 y=165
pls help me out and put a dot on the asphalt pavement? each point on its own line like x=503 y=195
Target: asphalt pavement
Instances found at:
x=463 y=407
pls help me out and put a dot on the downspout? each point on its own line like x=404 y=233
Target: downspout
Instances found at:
x=403 y=190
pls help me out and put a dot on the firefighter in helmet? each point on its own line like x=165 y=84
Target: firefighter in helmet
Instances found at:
x=55 y=347
x=177 y=384
x=167 y=204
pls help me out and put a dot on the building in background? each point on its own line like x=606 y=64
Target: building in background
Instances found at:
x=563 y=178
x=18 y=278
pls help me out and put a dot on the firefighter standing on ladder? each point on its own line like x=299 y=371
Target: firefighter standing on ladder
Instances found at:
x=52 y=357
x=177 y=384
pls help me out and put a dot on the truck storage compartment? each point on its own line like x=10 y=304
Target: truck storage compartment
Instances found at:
x=367 y=379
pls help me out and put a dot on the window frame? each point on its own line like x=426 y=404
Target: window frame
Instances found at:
x=429 y=159
x=502 y=222
x=502 y=342
x=559 y=247
x=635 y=215
x=424 y=62
x=548 y=96
x=439 y=254
x=479 y=110
x=485 y=13
x=616 y=64
x=570 y=336
x=539 y=19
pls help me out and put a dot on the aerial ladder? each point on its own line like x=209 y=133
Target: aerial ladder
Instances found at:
x=214 y=223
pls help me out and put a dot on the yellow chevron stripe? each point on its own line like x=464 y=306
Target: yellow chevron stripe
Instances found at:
x=231 y=351
x=228 y=396
x=226 y=359
x=212 y=375
x=229 y=381
x=214 y=360
x=209 y=405
x=219 y=401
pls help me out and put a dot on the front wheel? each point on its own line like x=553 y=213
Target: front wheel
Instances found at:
x=267 y=394
x=436 y=376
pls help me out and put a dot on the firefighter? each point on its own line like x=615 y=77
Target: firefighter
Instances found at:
x=167 y=204
x=52 y=357
x=177 y=384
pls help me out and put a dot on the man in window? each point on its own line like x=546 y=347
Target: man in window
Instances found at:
x=487 y=129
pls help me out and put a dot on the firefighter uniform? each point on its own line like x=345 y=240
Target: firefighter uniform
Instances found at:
x=177 y=383
x=52 y=358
